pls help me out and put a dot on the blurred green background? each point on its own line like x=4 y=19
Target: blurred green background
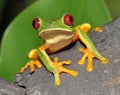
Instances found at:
x=10 y=8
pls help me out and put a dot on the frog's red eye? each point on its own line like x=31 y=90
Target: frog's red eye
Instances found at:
x=68 y=19
x=36 y=23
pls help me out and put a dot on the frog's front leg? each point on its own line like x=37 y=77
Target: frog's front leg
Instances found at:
x=54 y=66
x=34 y=60
x=90 y=52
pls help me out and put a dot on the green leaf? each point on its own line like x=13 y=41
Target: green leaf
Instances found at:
x=20 y=37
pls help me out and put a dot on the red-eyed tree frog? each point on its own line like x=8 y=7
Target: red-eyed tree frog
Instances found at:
x=57 y=34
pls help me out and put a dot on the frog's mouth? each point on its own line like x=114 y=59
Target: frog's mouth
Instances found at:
x=56 y=33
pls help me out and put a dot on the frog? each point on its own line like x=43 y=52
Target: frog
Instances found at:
x=58 y=34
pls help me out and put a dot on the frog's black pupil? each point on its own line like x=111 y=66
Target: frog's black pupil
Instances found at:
x=70 y=18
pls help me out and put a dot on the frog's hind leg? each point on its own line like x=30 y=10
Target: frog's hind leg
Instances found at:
x=54 y=66
x=33 y=56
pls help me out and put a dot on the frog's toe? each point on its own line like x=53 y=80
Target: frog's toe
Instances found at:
x=82 y=60
x=98 y=29
x=89 y=69
x=71 y=72
x=31 y=66
x=67 y=62
x=89 y=66
x=74 y=73
x=104 y=60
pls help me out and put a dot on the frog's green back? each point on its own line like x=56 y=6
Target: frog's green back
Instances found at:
x=20 y=37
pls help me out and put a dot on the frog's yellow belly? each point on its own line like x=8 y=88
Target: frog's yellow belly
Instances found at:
x=57 y=40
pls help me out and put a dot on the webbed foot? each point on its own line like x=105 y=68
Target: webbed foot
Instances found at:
x=60 y=68
x=30 y=65
x=90 y=55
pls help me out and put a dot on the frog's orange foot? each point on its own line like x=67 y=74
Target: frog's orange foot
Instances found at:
x=90 y=55
x=30 y=65
x=59 y=68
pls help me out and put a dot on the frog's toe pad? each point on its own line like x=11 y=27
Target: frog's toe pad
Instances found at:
x=104 y=61
x=81 y=62
x=98 y=29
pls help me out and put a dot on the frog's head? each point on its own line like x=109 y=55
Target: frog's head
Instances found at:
x=48 y=28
